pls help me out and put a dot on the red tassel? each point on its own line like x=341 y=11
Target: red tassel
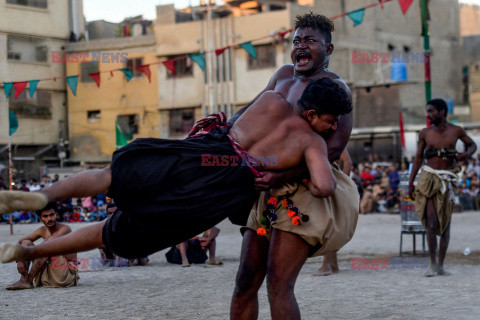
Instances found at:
x=146 y=70
x=19 y=86
x=170 y=64
x=96 y=77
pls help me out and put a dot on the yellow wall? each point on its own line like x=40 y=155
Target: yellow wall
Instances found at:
x=115 y=96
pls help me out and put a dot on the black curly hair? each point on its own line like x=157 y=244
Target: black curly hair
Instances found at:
x=325 y=97
x=316 y=22
x=49 y=206
x=439 y=104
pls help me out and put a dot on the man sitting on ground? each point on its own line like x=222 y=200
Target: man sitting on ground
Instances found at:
x=61 y=273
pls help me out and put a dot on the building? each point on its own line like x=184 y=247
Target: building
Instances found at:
x=93 y=112
x=29 y=32
x=235 y=78
x=469 y=19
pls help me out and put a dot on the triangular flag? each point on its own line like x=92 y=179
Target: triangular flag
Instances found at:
x=220 y=51
x=357 y=16
x=249 y=48
x=170 y=64
x=381 y=3
x=198 y=59
x=146 y=70
x=405 y=5
x=19 y=86
x=72 y=83
x=96 y=77
x=120 y=139
x=33 y=86
x=7 y=86
x=283 y=33
x=12 y=122
x=128 y=73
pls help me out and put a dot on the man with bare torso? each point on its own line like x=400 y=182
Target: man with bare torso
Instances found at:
x=168 y=191
x=433 y=194
x=42 y=267
x=281 y=255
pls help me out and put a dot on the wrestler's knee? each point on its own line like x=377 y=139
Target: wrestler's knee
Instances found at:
x=277 y=284
x=248 y=280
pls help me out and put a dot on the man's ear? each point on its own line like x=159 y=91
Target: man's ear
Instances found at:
x=330 y=48
x=311 y=115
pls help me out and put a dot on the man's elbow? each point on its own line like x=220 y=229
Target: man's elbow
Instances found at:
x=324 y=191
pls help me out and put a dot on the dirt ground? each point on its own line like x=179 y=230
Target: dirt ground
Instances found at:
x=390 y=289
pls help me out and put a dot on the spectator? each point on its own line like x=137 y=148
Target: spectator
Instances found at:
x=394 y=179
x=367 y=177
x=367 y=201
x=2 y=185
x=34 y=185
x=23 y=186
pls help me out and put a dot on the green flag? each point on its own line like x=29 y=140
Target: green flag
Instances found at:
x=13 y=122
x=120 y=138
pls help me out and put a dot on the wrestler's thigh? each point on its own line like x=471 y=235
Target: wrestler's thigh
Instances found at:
x=253 y=259
x=287 y=254
x=432 y=219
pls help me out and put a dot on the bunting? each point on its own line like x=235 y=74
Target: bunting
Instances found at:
x=220 y=51
x=128 y=73
x=12 y=122
x=145 y=69
x=96 y=77
x=120 y=139
x=7 y=86
x=405 y=5
x=72 y=82
x=19 y=86
x=198 y=59
x=33 y=87
x=248 y=46
x=170 y=64
x=357 y=16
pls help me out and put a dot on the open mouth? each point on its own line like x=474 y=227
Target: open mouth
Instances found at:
x=303 y=58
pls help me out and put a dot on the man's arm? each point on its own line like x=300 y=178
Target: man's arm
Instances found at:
x=322 y=183
x=417 y=162
x=64 y=229
x=270 y=86
x=470 y=146
x=34 y=236
x=347 y=162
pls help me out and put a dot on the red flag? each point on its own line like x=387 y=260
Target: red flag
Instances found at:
x=170 y=64
x=146 y=70
x=283 y=34
x=381 y=4
x=220 y=51
x=402 y=132
x=405 y=5
x=19 y=86
x=96 y=77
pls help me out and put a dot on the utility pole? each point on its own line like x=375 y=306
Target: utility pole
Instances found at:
x=211 y=58
x=426 y=47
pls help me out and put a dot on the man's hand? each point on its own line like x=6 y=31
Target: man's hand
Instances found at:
x=204 y=242
x=411 y=192
x=462 y=156
x=267 y=180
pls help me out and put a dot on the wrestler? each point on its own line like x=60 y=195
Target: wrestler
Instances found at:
x=436 y=184
x=168 y=191
x=281 y=259
x=62 y=272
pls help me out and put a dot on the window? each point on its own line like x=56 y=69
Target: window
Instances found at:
x=26 y=48
x=93 y=116
x=30 y=3
x=265 y=57
x=132 y=64
x=86 y=68
x=181 y=121
x=183 y=67
x=36 y=107
x=132 y=120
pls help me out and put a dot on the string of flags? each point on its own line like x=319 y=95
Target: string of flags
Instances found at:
x=356 y=16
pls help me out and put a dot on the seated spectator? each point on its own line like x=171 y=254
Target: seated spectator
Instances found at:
x=367 y=202
x=76 y=216
x=23 y=186
x=95 y=215
x=194 y=250
x=34 y=185
x=392 y=200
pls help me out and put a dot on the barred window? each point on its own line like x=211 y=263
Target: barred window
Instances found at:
x=132 y=64
x=36 y=107
x=29 y=3
x=181 y=121
x=183 y=66
x=86 y=68
x=265 y=57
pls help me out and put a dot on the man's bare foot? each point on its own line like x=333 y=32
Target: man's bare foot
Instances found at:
x=214 y=262
x=11 y=201
x=20 y=285
x=442 y=272
x=432 y=271
x=185 y=265
x=326 y=271
x=12 y=252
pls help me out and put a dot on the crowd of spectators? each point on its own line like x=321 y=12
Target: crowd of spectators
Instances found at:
x=88 y=209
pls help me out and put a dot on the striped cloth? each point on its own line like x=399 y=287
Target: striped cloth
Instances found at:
x=219 y=120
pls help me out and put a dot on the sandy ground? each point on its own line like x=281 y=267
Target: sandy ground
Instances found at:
x=165 y=291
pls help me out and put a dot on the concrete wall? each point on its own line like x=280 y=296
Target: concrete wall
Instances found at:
x=470 y=19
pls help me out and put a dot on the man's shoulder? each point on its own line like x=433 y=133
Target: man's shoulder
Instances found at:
x=62 y=226
x=285 y=71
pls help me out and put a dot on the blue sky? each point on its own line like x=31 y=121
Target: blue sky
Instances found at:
x=117 y=10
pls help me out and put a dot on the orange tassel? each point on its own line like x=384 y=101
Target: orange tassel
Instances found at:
x=261 y=231
x=291 y=213
x=296 y=221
